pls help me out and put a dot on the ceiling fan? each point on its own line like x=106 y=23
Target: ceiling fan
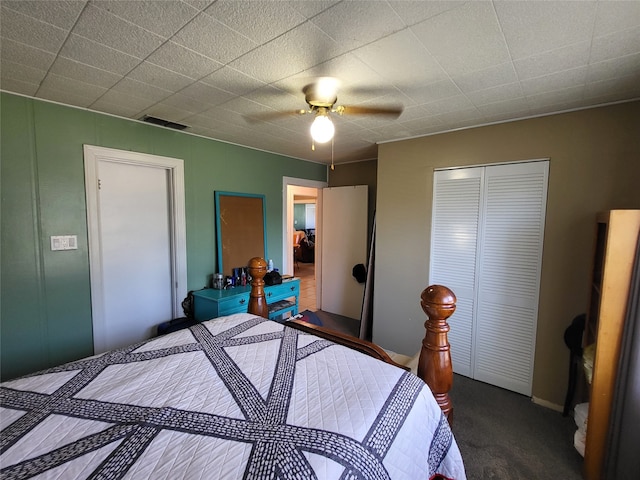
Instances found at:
x=321 y=96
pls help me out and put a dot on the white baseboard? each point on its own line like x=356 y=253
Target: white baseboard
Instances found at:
x=547 y=404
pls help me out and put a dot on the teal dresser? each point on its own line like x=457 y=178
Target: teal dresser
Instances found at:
x=210 y=303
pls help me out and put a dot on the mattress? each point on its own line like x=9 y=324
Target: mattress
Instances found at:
x=233 y=397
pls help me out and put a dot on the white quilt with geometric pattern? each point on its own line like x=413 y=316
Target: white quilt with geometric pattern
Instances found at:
x=234 y=397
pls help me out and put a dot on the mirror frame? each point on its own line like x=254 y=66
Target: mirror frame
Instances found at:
x=241 y=229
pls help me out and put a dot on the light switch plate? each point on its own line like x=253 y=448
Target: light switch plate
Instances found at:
x=64 y=242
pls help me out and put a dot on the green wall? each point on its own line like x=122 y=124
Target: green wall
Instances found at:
x=46 y=303
x=299 y=216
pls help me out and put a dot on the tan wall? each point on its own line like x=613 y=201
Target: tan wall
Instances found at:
x=594 y=165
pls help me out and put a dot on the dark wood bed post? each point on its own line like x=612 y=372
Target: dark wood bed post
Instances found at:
x=434 y=366
x=257 y=300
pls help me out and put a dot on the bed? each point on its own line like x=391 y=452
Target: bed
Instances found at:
x=236 y=397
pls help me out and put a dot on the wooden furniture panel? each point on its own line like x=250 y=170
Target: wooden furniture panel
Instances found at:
x=615 y=246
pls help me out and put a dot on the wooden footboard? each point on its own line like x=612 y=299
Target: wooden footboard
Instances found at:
x=434 y=367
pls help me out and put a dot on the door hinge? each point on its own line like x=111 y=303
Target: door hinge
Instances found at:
x=99 y=184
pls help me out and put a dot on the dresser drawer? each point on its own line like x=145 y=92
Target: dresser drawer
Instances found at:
x=236 y=304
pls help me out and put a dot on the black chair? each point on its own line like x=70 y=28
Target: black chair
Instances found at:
x=573 y=340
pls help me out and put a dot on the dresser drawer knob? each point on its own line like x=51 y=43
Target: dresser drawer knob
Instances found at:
x=242 y=301
x=269 y=294
x=293 y=288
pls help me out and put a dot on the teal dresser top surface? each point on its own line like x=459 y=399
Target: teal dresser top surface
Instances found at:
x=215 y=294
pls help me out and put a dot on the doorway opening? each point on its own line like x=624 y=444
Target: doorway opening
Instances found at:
x=303 y=214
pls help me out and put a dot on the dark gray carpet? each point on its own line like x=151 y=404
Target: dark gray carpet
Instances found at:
x=503 y=435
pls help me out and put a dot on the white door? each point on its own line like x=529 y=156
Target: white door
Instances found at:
x=344 y=245
x=487 y=236
x=133 y=248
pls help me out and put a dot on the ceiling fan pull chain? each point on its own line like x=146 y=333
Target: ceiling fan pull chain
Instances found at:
x=332 y=167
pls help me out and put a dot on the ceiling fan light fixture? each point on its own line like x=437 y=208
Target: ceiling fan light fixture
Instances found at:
x=322 y=128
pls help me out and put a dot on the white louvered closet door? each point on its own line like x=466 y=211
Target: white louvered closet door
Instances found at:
x=504 y=306
x=454 y=242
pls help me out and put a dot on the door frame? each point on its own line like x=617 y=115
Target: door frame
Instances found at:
x=175 y=170
x=291 y=186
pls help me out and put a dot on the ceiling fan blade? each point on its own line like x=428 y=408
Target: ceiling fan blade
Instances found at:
x=355 y=110
x=268 y=116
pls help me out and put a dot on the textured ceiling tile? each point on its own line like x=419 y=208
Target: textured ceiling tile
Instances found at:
x=20 y=53
x=18 y=86
x=206 y=95
x=24 y=29
x=133 y=104
x=202 y=120
x=432 y=92
x=489 y=77
x=391 y=132
x=615 y=16
x=451 y=104
x=293 y=52
x=213 y=39
x=511 y=115
x=85 y=73
x=91 y=53
x=107 y=29
x=135 y=88
x=310 y=8
x=161 y=17
x=415 y=11
x=260 y=21
x=238 y=107
x=232 y=80
x=199 y=4
x=160 y=77
x=62 y=14
x=276 y=99
x=462 y=118
x=368 y=23
x=535 y=27
x=616 y=67
x=496 y=94
x=68 y=85
x=430 y=121
x=66 y=96
x=558 y=99
x=126 y=111
x=183 y=61
x=518 y=105
x=465 y=39
x=619 y=44
x=406 y=61
x=22 y=72
x=453 y=56
x=564 y=58
x=629 y=85
x=555 y=81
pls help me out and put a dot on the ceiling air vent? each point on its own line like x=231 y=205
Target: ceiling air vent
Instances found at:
x=164 y=123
